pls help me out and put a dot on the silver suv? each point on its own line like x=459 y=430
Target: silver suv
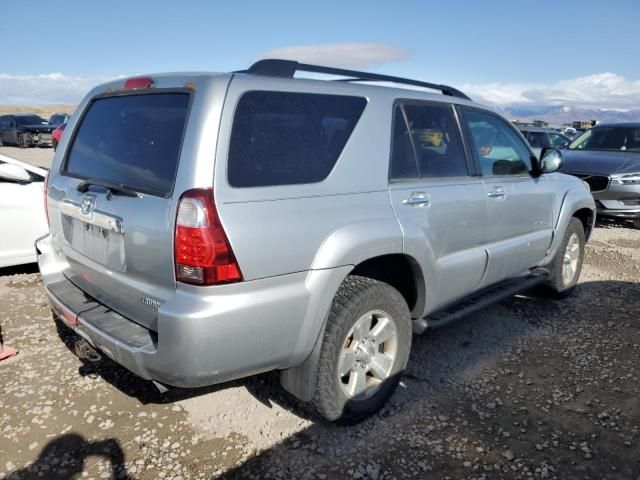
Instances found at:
x=206 y=227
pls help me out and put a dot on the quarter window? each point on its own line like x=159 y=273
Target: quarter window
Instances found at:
x=286 y=138
x=426 y=143
x=498 y=148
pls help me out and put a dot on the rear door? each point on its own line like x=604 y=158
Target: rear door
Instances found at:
x=11 y=133
x=519 y=206
x=118 y=241
x=433 y=192
x=4 y=124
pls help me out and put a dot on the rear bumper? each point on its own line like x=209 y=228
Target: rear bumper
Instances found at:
x=204 y=336
x=40 y=139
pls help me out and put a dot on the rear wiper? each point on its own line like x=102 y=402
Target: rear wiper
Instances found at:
x=112 y=188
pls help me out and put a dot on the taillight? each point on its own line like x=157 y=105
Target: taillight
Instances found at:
x=46 y=191
x=203 y=255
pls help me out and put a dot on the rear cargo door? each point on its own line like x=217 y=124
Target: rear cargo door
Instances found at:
x=113 y=212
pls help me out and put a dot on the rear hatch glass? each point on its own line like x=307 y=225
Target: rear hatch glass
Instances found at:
x=119 y=247
x=131 y=140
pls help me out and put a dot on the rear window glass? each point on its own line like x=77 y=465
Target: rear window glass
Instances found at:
x=133 y=140
x=284 y=138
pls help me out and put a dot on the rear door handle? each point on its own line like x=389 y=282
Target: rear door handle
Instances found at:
x=497 y=192
x=417 y=199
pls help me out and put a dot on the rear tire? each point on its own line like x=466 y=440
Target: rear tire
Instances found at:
x=54 y=144
x=364 y=351
x=567 y=264
x=636 y=223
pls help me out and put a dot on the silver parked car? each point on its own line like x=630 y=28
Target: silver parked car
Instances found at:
x=206 y=227
x=607 y=157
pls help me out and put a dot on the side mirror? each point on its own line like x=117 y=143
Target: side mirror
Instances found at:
x=550 y=160
x=14 y=173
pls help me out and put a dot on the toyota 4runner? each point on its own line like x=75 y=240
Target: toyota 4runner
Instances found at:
x=206 y=227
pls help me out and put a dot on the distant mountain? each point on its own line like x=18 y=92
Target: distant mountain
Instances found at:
x=559 y=115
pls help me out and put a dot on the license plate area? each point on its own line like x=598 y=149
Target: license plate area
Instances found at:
x=100 y=244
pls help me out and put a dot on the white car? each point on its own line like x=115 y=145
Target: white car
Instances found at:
x=22 y=214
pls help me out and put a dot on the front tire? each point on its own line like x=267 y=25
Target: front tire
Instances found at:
x=636 y=223
x=567 y=264
x=24 y=140
x=365 y=349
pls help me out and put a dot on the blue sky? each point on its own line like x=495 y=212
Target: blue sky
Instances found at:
x=498 y=50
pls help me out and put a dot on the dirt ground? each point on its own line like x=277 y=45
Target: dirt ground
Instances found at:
x=40 y=157
x=529 y=388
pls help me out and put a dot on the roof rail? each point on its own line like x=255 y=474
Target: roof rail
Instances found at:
x=288 y=68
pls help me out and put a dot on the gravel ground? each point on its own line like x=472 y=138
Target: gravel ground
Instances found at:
x=530 y=388
x=40 y=157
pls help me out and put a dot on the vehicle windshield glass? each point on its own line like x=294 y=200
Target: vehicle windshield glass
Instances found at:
x=133 y=140
x=30 y=120
x=608 y=138
x=56 y=119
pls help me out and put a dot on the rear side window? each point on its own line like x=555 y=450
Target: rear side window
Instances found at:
x=427 y=144
x=285 y=138
x=133 y=140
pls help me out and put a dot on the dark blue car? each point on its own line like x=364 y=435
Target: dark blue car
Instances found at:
x=25 y=130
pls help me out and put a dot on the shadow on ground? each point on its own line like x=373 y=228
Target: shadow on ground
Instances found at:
x=436 y=386
x=66 y=457
x=19 y=269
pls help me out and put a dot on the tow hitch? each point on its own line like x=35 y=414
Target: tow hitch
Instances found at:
x=86 y=352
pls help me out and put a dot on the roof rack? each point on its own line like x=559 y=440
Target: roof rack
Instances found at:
x=288 y=68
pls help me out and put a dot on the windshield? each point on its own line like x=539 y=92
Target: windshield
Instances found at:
x=57 y=119
x=30 y=120
x=608 y=138
x=132 y=140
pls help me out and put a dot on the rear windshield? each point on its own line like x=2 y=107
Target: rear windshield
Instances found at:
x=285 y=138
x=132 y=140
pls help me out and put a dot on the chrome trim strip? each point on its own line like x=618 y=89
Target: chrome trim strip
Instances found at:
x=97 y=217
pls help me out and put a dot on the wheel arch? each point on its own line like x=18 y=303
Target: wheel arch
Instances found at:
x=576 y=203
x=402 y=272
x=299 y=380
x=587 y=217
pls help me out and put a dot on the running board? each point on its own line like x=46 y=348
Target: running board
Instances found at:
x=477 y=302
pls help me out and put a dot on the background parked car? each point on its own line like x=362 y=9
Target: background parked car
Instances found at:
x=540 y=138
x=570 y=132
x=607 y=157
x=22 y=213
x=57 y=135
x=58 y=119
x=25 y=130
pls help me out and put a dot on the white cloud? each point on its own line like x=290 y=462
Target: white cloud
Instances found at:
x=598 y=91
x=343 y=55
x=45 y=88
x=601 y=91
